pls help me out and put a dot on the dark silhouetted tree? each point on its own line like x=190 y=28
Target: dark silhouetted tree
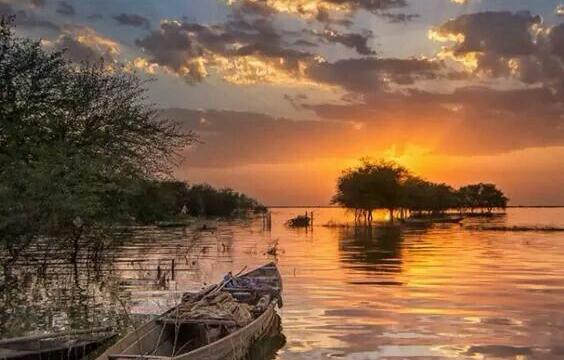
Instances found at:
x=73 y=140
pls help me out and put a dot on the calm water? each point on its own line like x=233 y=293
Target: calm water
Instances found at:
x=443 y=292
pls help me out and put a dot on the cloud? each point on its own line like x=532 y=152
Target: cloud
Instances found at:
x=556 y=37
x=132 y=20
x=64 y=8
x=231 y=138
x=504 y=44
x=503 y=33
x=241 y=51
x=248 y=51
x=359 y=42
x=26 y=19
x=317 y=9
x=82 y=43
x=366 y=75
x=399 y=17
x=469 y=120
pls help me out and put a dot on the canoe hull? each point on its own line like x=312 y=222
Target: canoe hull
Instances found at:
x=236 y=345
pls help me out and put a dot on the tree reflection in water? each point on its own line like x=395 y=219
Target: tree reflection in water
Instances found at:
x=372 y=249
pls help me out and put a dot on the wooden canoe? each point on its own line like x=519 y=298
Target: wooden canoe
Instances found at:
x=58 y=346
x=188 y=339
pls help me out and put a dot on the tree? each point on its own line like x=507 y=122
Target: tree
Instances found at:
x=469 y=197
x=73 y=140
x=491 y=198
x=370 y=186
x=484 y=196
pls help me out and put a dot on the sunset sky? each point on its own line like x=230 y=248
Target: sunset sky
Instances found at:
x=286 y=93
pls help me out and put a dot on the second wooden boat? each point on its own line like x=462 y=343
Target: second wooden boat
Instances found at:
x=220 y=322
x=68 y=345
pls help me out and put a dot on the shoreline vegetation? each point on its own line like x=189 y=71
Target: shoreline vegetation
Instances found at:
x=83 y=153
x=386 y=185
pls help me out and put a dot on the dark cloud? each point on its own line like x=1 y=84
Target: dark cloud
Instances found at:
x=503 y=33
x=471 y=120
x=359 y=42
x=468 y=121
x=366 y=75
x=557 y=40
x=505 y=44
x=26 y=19
x=231 y=138
x=296 y=100
x=319 y=9
x=64 y=8
x=132 y=20
x=180 y=47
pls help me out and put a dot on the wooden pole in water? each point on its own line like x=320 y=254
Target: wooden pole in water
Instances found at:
x=172 y=269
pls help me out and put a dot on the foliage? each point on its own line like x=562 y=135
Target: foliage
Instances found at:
x=481 y=196
x=389 y=186
x=154 y=201
x=73 y=138
x=371 y=186
x=204 y=200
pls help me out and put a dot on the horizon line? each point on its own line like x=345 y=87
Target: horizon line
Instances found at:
x=337 y=207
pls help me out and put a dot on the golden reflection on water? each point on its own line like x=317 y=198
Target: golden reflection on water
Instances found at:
x=390 y=292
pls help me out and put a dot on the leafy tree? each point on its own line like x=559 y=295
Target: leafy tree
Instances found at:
x=386 y=185
x=482 y=196
x=469 y=196
x=73 y=140
x=204 y=200
x=371 y=186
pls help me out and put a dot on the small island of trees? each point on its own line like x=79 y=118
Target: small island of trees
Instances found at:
x=387 y=185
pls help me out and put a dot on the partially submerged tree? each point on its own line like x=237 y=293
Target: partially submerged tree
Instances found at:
x=482 y=196
x=385 y=185
x=372 y=185
x=73 y=139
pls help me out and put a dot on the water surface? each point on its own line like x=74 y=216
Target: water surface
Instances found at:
x=441 y=292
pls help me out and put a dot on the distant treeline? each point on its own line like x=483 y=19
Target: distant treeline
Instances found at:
x=386 y=185
x=153 y=201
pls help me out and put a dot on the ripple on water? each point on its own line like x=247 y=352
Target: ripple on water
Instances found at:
x=444 y=292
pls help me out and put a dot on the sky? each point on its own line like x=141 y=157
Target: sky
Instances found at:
x=285 y=94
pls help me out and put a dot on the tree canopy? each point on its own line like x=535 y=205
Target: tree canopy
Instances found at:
x=386 y=185
x=74 y=139
x=371 y=186
x=162 y=200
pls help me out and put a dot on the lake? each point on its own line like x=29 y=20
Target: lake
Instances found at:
x=448 y=291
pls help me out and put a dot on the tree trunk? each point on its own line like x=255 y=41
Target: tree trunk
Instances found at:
x=391 y=214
